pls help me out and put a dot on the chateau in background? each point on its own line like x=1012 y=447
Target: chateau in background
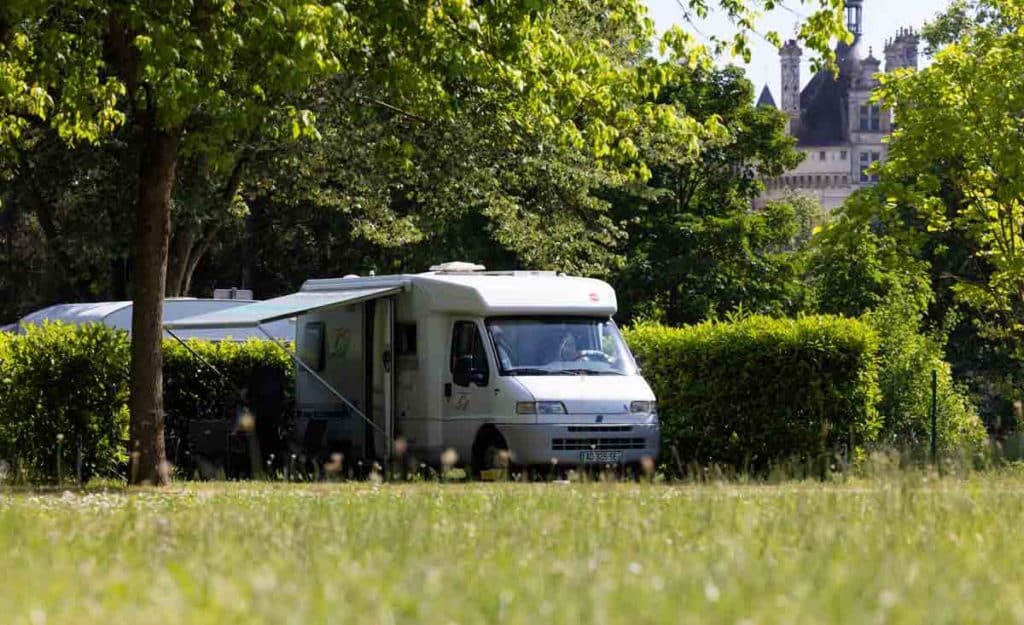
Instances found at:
x=837 y=128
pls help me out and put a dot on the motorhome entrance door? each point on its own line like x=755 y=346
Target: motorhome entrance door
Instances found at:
x=382 y=370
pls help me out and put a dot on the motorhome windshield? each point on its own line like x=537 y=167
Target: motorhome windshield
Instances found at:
x=559 y=346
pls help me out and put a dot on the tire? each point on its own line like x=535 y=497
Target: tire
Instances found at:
x=490 y=457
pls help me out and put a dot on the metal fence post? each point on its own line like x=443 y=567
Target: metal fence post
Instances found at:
x=935 y=416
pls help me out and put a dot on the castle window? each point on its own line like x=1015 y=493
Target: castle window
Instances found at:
x=842 y=155
x=866 y=159
x=870 y=118
x=821 y=155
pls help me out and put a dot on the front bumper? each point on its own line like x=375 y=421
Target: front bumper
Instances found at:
x=570 y=444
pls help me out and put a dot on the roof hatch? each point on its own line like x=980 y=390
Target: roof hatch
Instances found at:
x=457 y=267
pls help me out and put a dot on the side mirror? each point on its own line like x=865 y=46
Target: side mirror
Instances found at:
x=479 y=377
x=462 y=374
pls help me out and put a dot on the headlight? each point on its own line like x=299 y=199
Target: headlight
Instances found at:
x=541 y=407
x=644 y=407
x=526 y=407
x=551 y=407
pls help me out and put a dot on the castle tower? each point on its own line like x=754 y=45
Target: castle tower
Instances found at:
x=902 y=50
x=790 y=61
x=855 y=17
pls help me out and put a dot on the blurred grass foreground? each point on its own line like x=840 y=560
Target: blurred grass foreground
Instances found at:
x=897 y=550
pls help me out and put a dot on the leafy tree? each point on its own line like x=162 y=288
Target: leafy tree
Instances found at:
x=859 y=265
x=204 y=78
x=168 y=70
x=908 y=356
x=695 y=247
x=944 y=223
x=955 y=163
x=859 y=259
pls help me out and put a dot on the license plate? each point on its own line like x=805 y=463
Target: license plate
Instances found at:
x=601 y=457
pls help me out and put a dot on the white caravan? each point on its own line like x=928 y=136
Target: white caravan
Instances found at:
x=459 y=358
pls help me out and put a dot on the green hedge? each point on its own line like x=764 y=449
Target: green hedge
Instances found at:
x=63 y=382
x=760 y=391
x=907 y=359
x=72 y=382
x=257 y=374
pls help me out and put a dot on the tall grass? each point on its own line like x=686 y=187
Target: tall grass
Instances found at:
x=896 y=550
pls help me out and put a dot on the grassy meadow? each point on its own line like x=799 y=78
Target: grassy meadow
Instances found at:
x=903 y=550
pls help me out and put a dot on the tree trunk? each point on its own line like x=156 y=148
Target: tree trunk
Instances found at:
x=182 y=240
x=148 y=464
x=195 y=257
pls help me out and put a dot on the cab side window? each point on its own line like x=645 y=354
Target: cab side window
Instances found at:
x=468 y=344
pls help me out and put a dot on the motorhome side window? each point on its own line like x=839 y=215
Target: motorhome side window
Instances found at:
x=312 y=350
x=467 y=343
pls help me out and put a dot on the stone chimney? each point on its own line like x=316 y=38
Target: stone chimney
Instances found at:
x=902 y=50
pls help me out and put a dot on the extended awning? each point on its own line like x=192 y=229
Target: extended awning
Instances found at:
x=256 y=314
x=259 y=313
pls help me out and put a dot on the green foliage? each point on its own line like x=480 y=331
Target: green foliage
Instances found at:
x=72 y=381
x=907 y=359
x=224 y=377
x=63 y=381
x=854 y=263
x=695 y=248
x=955 y=160
x=758 y=391
x=862 y=265
x=426 y=131
x=943 y=227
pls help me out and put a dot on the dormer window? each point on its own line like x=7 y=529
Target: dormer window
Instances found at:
x=870 y=118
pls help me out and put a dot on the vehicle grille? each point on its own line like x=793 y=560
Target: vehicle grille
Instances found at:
x=585 y=444
x=600 y=428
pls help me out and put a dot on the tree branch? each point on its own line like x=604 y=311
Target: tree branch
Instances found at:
x=123 y=57
x=45 y=213
x=391 y=107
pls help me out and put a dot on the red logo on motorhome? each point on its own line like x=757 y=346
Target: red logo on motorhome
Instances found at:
x=594 y=297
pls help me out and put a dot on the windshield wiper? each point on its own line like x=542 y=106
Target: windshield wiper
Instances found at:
x=591 y=372
x=528 y=371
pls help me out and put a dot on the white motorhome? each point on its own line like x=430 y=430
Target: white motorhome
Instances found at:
x=458 y=358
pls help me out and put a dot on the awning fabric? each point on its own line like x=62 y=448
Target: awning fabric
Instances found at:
x=279 y=308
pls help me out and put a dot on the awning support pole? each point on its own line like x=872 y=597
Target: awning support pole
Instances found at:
x=195 y=353
x=322 y=381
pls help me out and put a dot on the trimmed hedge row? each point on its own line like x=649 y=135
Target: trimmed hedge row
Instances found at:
x=63 y=388
x=66 y=387
x=226 y=376
x=759 y=391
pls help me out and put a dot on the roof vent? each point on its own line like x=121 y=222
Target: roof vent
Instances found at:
x=232 y=293
x=457 y=267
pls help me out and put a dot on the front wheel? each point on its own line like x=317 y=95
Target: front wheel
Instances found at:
x=491 y=459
